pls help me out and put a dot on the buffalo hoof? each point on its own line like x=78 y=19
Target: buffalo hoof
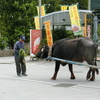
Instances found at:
x=53 y=78
x=91 y=79
x=97 y=71
x=72 y=77
x=88 y=76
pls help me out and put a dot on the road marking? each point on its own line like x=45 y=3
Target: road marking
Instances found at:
x=50 y=83
x=27 y=80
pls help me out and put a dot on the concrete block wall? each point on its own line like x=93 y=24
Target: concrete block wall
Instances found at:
x=4 y=53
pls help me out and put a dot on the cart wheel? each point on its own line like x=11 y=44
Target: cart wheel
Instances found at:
x=34 y=58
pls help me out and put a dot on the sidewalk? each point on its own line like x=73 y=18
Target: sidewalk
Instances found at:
x=10 y=59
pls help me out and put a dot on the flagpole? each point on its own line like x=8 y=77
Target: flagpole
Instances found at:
x=40 y=17
x=89 y=4
x=40 y=13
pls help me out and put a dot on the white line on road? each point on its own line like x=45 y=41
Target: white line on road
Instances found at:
x=49 y=83
x=28 y=80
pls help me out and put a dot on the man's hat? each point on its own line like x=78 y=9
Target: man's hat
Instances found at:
x=23 y=38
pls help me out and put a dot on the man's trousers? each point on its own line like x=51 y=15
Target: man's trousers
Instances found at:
x=20 y=65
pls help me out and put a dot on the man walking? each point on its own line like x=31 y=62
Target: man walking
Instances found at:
x=20 y=61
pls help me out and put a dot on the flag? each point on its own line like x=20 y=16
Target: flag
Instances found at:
x=64 y=7
x=36 y=20
x=48 y=33
x=42 y=10
x=75 y=20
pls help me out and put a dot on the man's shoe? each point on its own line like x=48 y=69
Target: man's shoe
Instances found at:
x=24 y=74
x=18 y=74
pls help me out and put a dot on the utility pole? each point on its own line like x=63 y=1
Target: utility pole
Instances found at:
x=89 y=4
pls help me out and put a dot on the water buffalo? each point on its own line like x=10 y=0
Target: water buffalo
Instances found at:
x=78 y=50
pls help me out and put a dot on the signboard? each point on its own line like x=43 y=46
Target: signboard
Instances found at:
x=75 y=20
x=35 y=38
x=48 y=33
x=88 y=25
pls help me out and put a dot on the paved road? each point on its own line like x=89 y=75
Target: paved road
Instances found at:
x=38 y=86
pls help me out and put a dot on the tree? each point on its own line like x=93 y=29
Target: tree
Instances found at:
x=17 y=18
x=54 y=5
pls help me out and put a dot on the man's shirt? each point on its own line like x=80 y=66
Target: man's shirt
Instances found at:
x=18 y=45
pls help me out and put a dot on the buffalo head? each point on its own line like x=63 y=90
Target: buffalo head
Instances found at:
x=43 y=53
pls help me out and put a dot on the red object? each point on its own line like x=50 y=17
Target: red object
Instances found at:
x=35 y=38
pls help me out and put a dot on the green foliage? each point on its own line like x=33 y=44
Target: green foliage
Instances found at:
x=99 y=28
x=3 y=42
x=17 y=18
x=22 y=53
x=43 y=42
x=60 y=33
x=54 y=5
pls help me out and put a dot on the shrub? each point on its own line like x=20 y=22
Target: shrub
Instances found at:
x=3 y=42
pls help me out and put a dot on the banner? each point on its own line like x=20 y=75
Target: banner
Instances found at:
x=75 y=20
x=42 y=10
x=48 y=33
x=35 y=37
x=64 y=7
x=36 y=20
